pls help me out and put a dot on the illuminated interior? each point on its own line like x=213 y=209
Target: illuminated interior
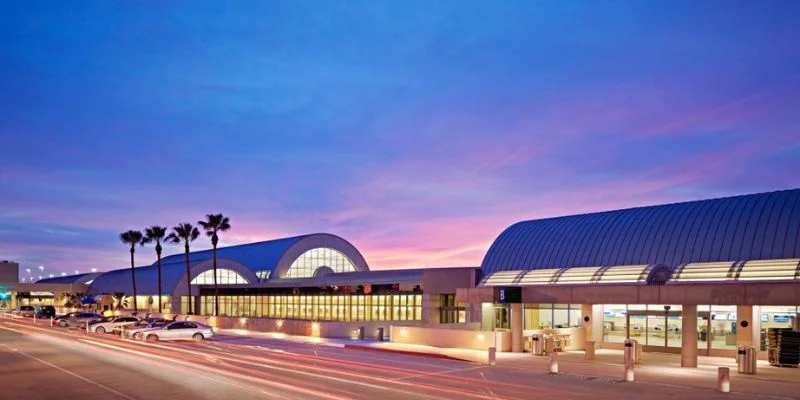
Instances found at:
x=307 y=263
x=224 y=277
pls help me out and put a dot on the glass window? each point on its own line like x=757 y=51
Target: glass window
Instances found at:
x=224 y=277
x=306 y=265
x=614 y=316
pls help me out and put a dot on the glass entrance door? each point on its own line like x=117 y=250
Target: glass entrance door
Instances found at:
x=657 y=331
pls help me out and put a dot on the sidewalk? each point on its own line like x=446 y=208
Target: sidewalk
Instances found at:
x=656 y=369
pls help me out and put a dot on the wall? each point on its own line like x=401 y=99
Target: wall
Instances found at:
x=452 y=338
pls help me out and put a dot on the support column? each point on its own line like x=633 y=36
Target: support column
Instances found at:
x=689 y=336
x=516 y=328
x=744 y=326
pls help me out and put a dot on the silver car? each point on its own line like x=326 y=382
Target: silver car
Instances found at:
x=24 y=311
x=109 y=324
x=135 y=330
x=79 y=319
x=179 y=330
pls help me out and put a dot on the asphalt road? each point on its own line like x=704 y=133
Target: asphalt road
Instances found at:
x=39 y=362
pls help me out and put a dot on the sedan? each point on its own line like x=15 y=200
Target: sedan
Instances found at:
x=77 y=318
x=24 y=311
x=181 y=330
x=110 y=324
x=135 y=330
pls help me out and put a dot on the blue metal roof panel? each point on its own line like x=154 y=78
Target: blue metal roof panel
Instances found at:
x=726 y=229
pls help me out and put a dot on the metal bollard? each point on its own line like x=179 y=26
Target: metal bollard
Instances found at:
x=553 y=363
x=34 y=318
x=87 y=327
x=51 y=322
x=492 y=355
x=629 y=360
x=724 y=379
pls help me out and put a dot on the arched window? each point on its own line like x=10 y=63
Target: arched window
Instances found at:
x=308 y=262
x=224 y=277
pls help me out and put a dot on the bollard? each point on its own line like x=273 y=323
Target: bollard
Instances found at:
x=553 y=363
x=122 y=332
x=629 y=360
x=51 y=322
x=87 y=327
x=724 y=379
x=34 y=318
x=492 y=355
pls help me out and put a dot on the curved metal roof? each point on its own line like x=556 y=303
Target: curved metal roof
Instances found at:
x=72 y=279
x=749 y=227
x=273 y=255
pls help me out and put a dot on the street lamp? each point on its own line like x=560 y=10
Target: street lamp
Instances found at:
x=63 y=274
x=51 y=275
x=76 y=272
x=94 y=269
x=41 y=268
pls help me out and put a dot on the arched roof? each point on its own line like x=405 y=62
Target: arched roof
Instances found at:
x=274 y=255
x=72 y=279
x=749 y=227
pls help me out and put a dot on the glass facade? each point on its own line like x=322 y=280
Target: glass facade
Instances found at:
x=373 y=307
x=307 y=263
x=550 y=316
x=224 y=277
x=451 y=312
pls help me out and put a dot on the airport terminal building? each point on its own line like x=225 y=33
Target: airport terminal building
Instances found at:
x=694 y=278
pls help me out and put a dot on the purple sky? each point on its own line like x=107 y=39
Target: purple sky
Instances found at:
x=417 y=130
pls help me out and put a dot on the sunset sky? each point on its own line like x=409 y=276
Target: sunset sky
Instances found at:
x=417 y=130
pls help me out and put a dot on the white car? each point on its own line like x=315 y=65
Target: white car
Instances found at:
x=135 y=330
x=106 y=326
x=179 y=330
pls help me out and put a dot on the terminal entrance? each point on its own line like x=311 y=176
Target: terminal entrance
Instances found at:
x=657 y=331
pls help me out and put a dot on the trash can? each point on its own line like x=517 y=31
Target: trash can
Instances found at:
x=536 y=345
x=379 y=334
x=746 y=359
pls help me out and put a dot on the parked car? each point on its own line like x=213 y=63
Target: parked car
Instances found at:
x=78 y=318
x=23 y=311
x=109 y=324
x=135 y=330
x=180 y=330
x=45 y=311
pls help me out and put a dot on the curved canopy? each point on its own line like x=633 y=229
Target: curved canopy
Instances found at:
x=636 y=274
x=750 y=227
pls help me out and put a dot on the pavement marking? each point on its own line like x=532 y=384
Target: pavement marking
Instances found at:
x=100 y=385
x=447 y=371
x=488 y=389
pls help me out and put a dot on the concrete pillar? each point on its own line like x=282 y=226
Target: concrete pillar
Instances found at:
x=587 y=319
x=744 y=327
x=689 y=336
x=516 y=328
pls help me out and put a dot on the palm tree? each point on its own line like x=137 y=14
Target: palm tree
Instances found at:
x=132 y=238
x=185 y=233
x=156 y=234
x=214 y=224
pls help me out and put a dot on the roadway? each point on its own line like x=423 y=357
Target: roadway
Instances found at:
x=40 y=362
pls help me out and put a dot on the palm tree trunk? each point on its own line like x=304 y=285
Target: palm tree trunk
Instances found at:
x=189 y=307
x=216 y=288
x=158 y=253
x=133 y=280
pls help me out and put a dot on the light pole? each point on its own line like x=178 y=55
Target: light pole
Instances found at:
x=63 y=274
x=94 y=269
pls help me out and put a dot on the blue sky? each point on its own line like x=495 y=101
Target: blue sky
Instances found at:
x=416 y=129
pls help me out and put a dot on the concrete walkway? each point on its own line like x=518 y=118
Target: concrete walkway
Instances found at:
x=660 y=370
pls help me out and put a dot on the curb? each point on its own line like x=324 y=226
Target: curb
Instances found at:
x=405 y=352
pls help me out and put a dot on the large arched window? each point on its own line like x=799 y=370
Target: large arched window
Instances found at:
x=308 y=262
x=224 y=277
